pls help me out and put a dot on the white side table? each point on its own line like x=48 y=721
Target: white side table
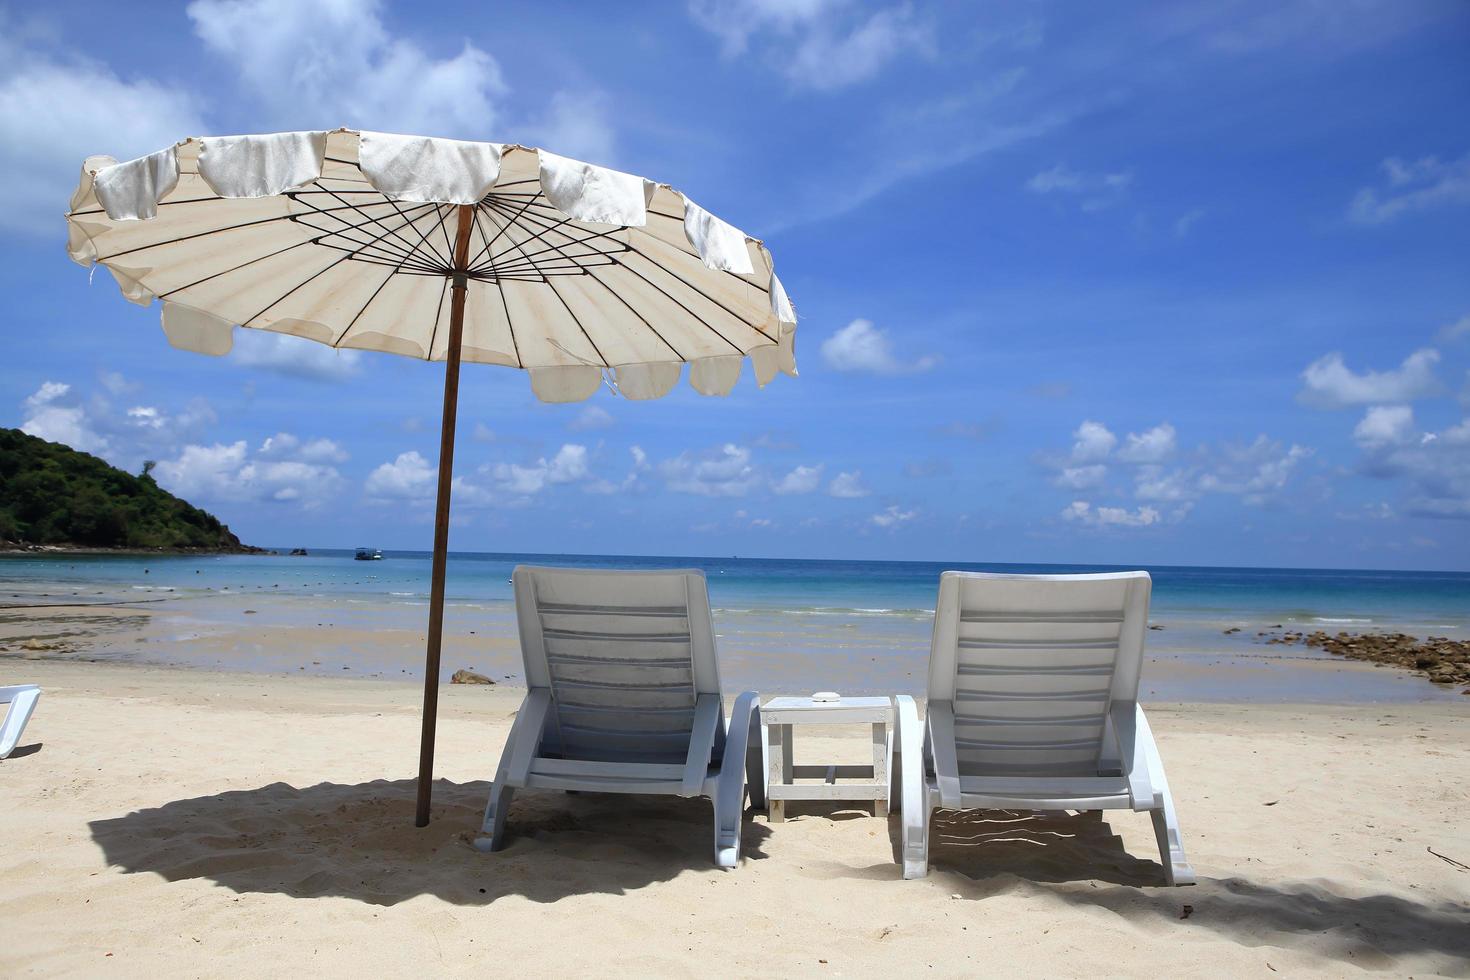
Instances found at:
x=782 y=715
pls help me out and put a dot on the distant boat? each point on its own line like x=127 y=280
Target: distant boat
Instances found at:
x=368 y=554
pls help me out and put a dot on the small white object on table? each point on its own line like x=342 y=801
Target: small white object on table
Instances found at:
x=782 y=715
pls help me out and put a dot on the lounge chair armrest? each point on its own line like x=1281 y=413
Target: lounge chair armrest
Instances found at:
x=707 y=711
x=741 y=739
x=1134 y=739
x=907 y=786
x=525 y=738
x=940 y=717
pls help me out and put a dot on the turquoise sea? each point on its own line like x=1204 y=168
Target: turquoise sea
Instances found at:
x=794 y=624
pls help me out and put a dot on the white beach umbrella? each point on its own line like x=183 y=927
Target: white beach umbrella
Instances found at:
x=443 y=250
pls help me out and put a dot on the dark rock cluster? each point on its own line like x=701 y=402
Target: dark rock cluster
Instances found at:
x=1443 y=660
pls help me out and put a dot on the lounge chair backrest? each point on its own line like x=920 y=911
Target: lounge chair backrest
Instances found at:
x=1032 y=664
x=624 y=654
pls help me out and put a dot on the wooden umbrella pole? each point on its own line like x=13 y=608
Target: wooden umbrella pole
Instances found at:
x=441 y=515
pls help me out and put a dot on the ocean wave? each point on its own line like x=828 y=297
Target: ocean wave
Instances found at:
x=1342 y=620
x=828 y=611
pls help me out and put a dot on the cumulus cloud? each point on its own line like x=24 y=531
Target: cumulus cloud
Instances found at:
x=1459 y=330
x=57 y=109
x=569 y=465
x=409 y=477
x=47 y=417
x=1081 y=477
x=727 y=472
x=803 y=479
x=1151 y=446
x=123 y=436
x=1329 y=383
x=1092 y=441
x=1082 y=512
x=335 y=62
x=1435 y=466
x=822 y=45
x=1426 y=184
x=892 y=517
x=862 y=347
x=228 y=472
x=848 y=486
x=294 y=357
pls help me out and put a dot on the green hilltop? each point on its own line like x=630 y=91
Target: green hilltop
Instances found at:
x=51 y=494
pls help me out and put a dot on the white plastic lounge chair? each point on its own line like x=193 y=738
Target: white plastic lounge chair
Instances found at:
x=1033 y=704
x=22 y=701
x=624 y=697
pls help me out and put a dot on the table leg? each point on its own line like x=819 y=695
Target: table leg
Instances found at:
x=880 y=766
x=779 y=750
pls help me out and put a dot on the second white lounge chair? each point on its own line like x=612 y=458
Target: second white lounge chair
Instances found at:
x=21 y=701
x=623 y=696
x=1033 y=705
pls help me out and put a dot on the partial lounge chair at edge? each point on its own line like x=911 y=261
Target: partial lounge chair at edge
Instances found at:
x=624 y=697
x=1033 y=705
x=22 y=701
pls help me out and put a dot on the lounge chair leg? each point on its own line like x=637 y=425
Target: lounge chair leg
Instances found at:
x=727 y=833
x=493 y=829
x=1171 y=850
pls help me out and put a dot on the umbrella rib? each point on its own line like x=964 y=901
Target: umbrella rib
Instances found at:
x=438 y=315
x=578 y=321
x=237 y=268
x=308 y=279
x=648 y=258
x=486 y=236
x=640 y=316
x=353 y=322
x=200 y=234
x=709 y=326
x=406 y=243
x=509 y=324
x=561 y=249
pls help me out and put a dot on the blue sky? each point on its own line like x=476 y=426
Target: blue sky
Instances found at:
x=1183 y=283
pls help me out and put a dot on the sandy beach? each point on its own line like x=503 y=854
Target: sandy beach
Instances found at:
x=170 y=822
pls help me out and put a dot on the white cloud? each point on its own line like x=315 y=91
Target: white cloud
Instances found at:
x=1092 y=441
x=292 y=356
x=1418 y=185
x=892 y=517
x=1329 y=383
x=1385 y=425
x=409 y=477
x=335 y=62
x=860 y=346
x=46 y=418
x=1084 y=513
x=227 y=473
x=58 y=109
x=1095 y=191
x=482 y=433
x=569 y=465
x=848 y=486
x=817 y=44
x=1254 y=471
x=1151 y=446
x=284 y=445
x=726 y=473
x=1459 y=330
x=1082 y=477
x=591 y=418
x=803 y=479
x=1435 y=466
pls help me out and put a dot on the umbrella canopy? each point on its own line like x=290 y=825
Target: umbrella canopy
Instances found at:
x=443 y=250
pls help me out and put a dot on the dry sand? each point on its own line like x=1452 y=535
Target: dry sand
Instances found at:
x=173 y=822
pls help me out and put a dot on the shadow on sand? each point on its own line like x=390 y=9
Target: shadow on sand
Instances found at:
x=359 y=842
x=1079 y=859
